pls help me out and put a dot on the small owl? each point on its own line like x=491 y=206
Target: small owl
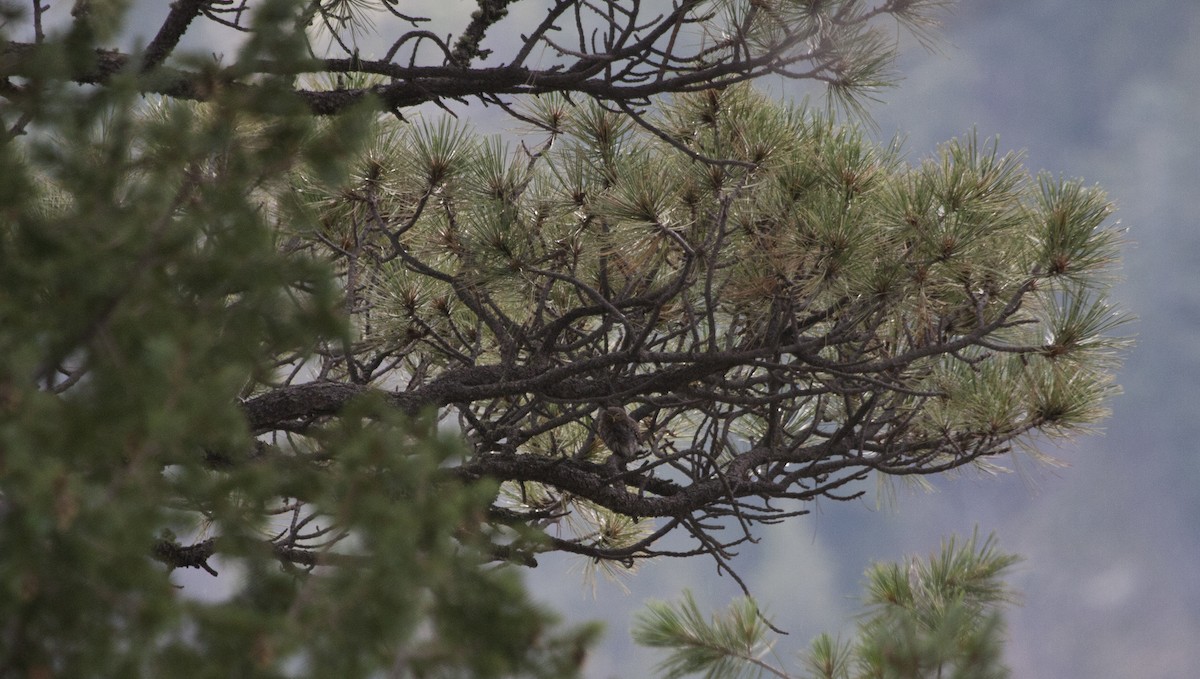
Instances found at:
x=619 y=432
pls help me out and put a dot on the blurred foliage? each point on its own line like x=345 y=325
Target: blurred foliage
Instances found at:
x=144 y=293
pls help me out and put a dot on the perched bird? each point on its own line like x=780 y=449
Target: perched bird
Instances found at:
x=620 y=433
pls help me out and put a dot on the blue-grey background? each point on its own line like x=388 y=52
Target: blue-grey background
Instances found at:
x=1107 y=90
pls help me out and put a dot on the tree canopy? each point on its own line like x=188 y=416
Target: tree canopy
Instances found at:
x=352 y=359
x=807 y=312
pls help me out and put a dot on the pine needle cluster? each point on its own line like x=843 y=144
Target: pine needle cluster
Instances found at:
x=935 y=617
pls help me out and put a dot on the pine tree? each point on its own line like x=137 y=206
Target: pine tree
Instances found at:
x=262 y=321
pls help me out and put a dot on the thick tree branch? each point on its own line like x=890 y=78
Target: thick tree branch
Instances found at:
x=467 y=48
x=173 y=27
x=630 y=67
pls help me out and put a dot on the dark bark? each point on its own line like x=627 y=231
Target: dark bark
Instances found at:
x=624 y=57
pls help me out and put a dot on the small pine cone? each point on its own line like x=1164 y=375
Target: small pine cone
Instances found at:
x=619 y=432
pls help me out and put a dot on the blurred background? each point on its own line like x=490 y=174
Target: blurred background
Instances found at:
x=1106 y=90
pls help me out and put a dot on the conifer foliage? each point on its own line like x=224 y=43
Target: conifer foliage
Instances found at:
x=259 y=319
x=807 y=312
x=935 y=617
